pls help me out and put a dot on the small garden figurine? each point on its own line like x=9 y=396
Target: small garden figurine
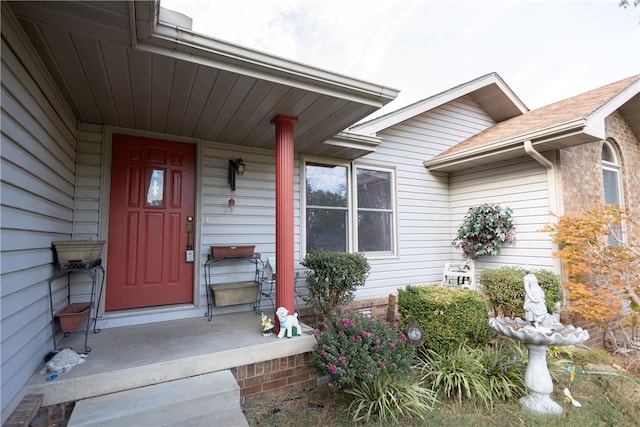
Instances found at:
x=289 y=324
x=267 y=326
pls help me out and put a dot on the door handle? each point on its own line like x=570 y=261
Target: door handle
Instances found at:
x=189 y=229
x=189 y=255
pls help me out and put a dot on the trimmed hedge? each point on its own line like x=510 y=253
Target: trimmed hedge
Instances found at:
x=448 y=317
x=504 y=290
x=333 y=279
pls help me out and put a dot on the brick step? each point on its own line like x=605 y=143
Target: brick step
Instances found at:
x=25 y=412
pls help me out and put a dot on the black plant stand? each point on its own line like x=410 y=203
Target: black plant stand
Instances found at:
x=254 y=259
x=91 y=269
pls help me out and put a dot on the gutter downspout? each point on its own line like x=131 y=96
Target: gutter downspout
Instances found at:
x=551 y=175
x=552 y=184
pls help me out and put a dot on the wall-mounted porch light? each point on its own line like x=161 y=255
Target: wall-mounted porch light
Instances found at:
x=240 y=166
x=235 y=167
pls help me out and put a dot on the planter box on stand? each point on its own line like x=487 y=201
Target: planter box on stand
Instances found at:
x=73 y=315
x=232 y=252
x=237 y=292
x=77 y=251
x=234 y=293
x=76 y=256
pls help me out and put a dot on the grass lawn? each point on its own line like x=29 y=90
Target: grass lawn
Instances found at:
x=606 y=401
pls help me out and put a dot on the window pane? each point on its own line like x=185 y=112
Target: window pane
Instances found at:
x=608 y=154
x=611 y=193
x=375 y=231
x=326 y=185
x=155 y=188
x=327 y=229
x=374 y=189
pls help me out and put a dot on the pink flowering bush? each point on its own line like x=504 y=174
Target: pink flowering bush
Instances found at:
x=354 y=349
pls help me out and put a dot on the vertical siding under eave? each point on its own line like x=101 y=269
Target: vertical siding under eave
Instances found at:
x=86 y=208
x=37 y=187
x=424 y=237
x=87 y=191
x=521 y=185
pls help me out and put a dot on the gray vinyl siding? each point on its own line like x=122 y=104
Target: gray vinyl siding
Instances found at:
x=250 y=222
x=87 y=208
x=87 y=203
x=424 y=237
x=521 y=185
x=37 y=189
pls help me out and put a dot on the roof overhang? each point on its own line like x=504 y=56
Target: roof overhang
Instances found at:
x=116 y=63
x=559 y=136
x=491 y=93
x=566 y=134
x=627 y=102
x=347 y=145
x=631 y=113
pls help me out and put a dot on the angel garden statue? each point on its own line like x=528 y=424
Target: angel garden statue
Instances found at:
x=535 y=306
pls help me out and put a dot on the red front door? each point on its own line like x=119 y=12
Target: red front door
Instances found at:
x=152 y=196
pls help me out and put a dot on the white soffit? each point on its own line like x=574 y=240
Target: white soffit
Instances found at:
x=115 y=64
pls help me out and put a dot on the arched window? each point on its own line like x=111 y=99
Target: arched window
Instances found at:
x=612 y=181
x=611 y=174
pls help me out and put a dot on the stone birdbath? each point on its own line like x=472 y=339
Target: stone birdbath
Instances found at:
x=537 y=333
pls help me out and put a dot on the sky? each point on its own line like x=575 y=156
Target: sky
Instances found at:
x=545 y=50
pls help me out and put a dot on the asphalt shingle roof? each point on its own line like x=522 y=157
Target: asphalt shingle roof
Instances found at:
x=577 y=107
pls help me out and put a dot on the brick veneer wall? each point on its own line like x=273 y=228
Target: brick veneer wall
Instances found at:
x=30 y=413
x=276 y=376
x=581 y=185
x=629 y=146
x=54 y=415
x=580 y=177
x=580 y=169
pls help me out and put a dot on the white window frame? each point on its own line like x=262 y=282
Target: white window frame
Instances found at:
x=394 y=211
x=352 y=209
x=303 y=199
x=614 y=166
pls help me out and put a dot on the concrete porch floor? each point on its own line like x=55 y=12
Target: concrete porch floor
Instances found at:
x=135 y=356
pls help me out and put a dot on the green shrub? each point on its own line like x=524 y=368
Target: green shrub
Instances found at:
x=458 y=374
x=333 y=279
x=475 y=374
x=448 y=317
x=504 y=290
x=354 y=349
x=504 y=365
x=387 y=399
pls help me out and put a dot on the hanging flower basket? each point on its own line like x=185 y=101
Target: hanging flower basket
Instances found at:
x=73 y=315
x=485 y=230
